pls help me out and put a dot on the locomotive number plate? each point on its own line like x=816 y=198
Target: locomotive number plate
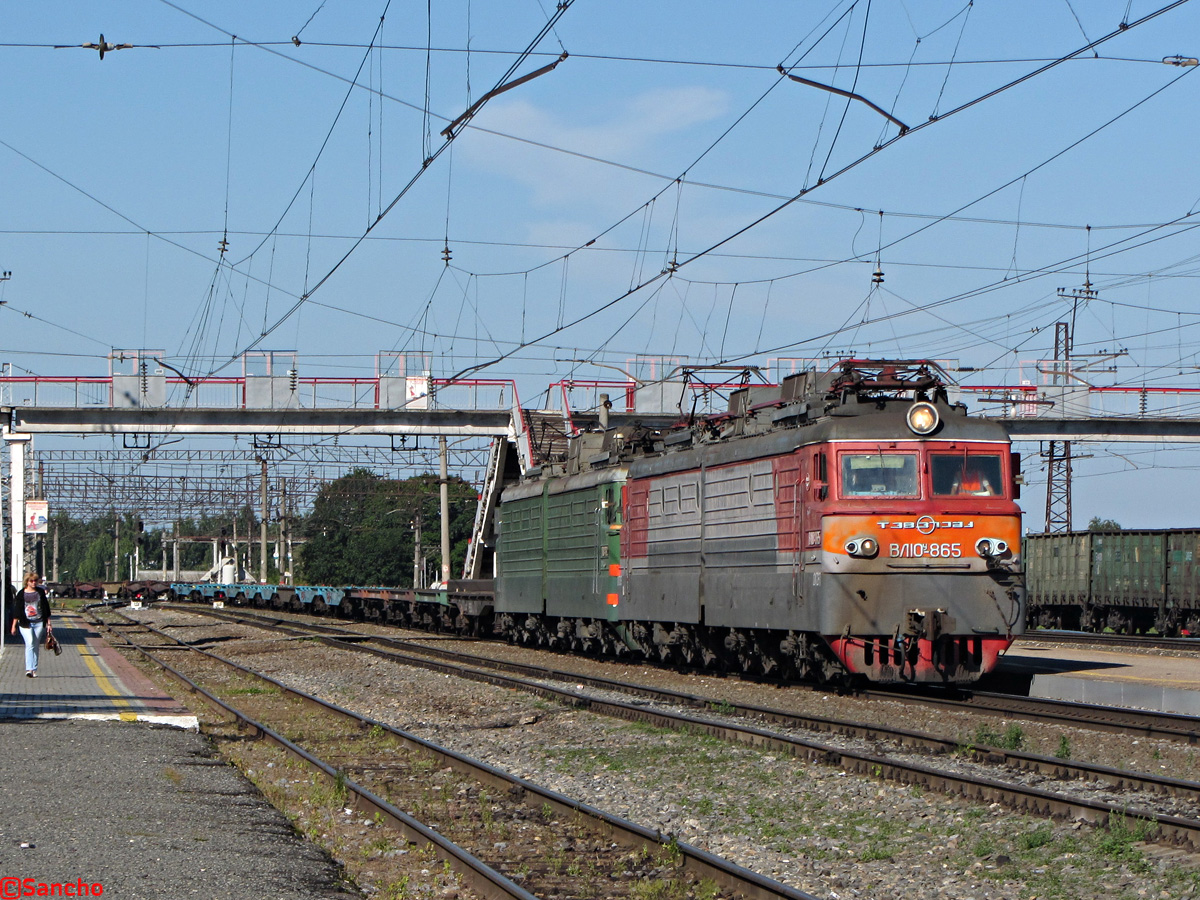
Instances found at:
x=936 y=550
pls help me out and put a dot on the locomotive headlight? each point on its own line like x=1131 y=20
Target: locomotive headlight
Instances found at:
x=989 y=548
x=863 y=547
x=923 y=418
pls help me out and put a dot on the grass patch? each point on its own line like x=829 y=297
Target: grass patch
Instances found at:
x=1118 y=839
x=1012 y=738
x=252 y=691
x=1039 y=837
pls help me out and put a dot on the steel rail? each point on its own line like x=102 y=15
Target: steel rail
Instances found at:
x=1052 y=767
x=1121 y=720
x=704 y=865
x=1149 y=724
x=1171 y=829
x=478 y=875
x=1104 y=641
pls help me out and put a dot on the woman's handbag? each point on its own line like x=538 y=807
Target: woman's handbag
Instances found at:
x=52 y=643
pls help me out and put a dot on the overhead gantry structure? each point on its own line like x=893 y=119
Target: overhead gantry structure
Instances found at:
x=143 y=397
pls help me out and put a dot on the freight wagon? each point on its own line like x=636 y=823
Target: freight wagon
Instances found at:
x=1128 y=581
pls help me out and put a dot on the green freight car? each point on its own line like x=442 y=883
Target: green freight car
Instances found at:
x=1127 y=581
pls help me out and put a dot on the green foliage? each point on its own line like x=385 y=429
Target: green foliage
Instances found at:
x=1117 y=842
x=1099 y=524
x=1012 y=738
x=984 y=846
x=1064 y=748
x=360 y=531
x=362 y=526
x=1039 y=837
x=87 y=546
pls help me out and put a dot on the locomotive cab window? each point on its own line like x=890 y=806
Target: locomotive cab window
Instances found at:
x=966 y=474
x=879 y=475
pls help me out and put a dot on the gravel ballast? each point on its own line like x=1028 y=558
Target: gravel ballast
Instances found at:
x=810 y=826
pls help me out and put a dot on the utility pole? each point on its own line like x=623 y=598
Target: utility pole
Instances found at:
x=1067 y=373
x=443 y=482
x=417 y=549
x=1058 y=453
x=262 y=524
x=286 y=526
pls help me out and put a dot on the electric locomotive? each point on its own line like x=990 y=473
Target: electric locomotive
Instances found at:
x=852 y=523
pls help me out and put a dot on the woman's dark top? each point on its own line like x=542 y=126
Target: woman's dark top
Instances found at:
x=18 y=606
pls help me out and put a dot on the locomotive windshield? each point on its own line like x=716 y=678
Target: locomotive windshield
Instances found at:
x=959 y=474
x=879 y=475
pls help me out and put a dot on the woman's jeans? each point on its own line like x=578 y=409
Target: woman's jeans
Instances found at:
x=34 y=636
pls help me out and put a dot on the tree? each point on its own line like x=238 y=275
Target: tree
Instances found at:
x=1098 y=524
x=361 y=528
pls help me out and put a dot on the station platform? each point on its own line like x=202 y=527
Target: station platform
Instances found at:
x=102 y=798
x=1105 y=677
x=88 y=680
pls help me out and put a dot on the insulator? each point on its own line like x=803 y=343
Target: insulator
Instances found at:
x=877 y=278
x=293 y=379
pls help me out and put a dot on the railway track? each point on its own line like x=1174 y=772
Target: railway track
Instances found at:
x=1118 y=720
x=1112 y=641
x=465 y=805
x=1146 y=723
x=1171 y=808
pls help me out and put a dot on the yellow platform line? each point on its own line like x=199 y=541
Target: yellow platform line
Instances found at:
x=106 y=685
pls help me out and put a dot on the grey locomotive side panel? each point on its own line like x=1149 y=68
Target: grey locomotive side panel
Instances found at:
x=744 y=584
x=665 y=584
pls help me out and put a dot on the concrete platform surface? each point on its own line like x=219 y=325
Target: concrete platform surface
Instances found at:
x=143 y=812
x=1107 y=677
x=88 y=680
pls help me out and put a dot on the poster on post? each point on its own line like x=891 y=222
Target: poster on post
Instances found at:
x=37 y=516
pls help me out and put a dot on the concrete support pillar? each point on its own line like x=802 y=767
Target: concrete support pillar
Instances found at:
x=16 y=446
x=444 y=483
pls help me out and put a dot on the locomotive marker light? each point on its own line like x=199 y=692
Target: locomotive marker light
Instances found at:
x=923 y=418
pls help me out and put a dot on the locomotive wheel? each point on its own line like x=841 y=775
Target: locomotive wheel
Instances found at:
x=1167 y=624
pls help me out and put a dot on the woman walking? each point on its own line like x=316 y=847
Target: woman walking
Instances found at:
x=31 y=613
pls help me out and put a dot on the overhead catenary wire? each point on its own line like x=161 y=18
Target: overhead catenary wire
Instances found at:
x=258 y=270
x=560 y=10
x=852 y=165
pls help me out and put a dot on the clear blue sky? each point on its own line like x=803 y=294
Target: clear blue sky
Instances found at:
x=666 y=132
